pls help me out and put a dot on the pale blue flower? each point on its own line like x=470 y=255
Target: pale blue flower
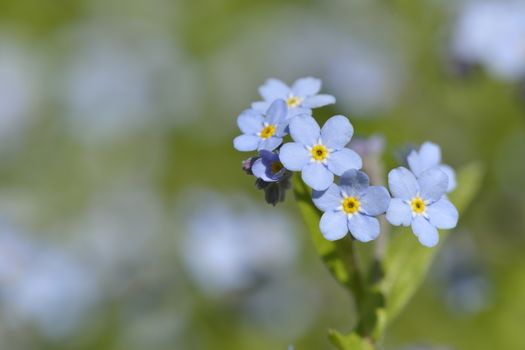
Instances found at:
x=268 y=167
x=319 y=153
x=429 y=156
x=351 y=206
x=420 y=202
x=262 y=131
x=300 y=98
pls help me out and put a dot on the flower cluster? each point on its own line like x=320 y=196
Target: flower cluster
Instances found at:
x=417 y=197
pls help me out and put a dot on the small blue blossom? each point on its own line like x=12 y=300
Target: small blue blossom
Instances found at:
x=300 y=98
x=268 y=167
x=319 y=153
x=262 y=131
x=351 y=206
x=420 y=202
x=429 y=156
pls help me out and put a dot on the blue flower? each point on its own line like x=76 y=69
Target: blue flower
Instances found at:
x=268 y=167
x=351 y=206
x=262 y=131
x=429 y=156
x=420 y=202
x=300 y=98
x=319 y=153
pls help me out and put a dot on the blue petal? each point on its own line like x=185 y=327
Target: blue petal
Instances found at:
x=270 y=144
x=429 y=155
x=295 y=111
x=414 y=163
x=402 y=183
x=333 y=225
x=294 y=156
x=443 y=214
x=328 y=199
x=451 y=174
x=399 y=213
x=274 y=89
x=306 y=87
x=433 y=184
x=343 y=160
x=425 y=232
x=276 y=114
x=260 y=171
x=245 y=143
x=364 y=228
x=354 y=182
x=375 y=201
x=317 y=176
x=261 y=106
x=318 y=101
x=269 y=157
x=250 y=121
x=281 y=129
x=337 y=132
x=305 y=130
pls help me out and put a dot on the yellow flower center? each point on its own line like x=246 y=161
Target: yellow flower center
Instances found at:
x=351 y=205
x=293 y=101
x=267 y=131
x=276 y=167
x=418 y=205
x=319 y=152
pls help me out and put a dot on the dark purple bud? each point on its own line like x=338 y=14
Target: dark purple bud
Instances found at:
x=275 y=192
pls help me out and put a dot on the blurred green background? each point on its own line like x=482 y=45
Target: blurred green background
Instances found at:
x=127 y=223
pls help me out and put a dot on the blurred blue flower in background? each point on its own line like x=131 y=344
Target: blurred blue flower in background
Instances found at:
x=44 y=286
x=121 y=78
x=491 y=33
x=228 y=250
x=461 y=277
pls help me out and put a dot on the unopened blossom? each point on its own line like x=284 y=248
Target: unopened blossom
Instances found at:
x=262 y=130
x=319 y=153
x=268 y=167
x=300 y=98
x=429 y=156
x=351 y=206
x=275 y=192
x=420 y=203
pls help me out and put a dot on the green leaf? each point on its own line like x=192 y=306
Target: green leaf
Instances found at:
x=407 y=261
x=371 y=313
x=351 y=341
x=337 y=255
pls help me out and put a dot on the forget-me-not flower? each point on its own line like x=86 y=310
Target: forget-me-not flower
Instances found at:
x=262 y=131
x=319 y=153
x=429 y=156
x=352 y=206
x=420 y=202
x=300 y=98
x=268 y=167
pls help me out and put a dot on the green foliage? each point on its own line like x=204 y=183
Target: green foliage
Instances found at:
x=351 y=341
x=337 y=256
x=404 y=266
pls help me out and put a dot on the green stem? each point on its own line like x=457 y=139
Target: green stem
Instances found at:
x=348 y=251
